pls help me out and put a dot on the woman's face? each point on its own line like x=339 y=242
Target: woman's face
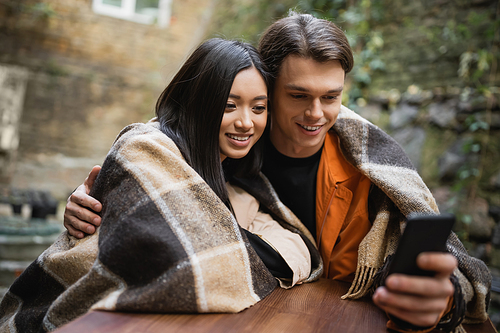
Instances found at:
x=245 y=116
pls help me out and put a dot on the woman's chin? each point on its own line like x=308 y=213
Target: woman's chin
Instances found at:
x=237 y=155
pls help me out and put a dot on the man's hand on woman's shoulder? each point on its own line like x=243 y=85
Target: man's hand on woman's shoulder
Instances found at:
x=79 y=215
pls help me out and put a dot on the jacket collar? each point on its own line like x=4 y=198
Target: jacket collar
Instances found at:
x=335 y=162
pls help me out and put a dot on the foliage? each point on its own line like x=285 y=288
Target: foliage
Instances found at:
x=36 y=11
x=477 y=71
x=247 y=20
x=39 y=10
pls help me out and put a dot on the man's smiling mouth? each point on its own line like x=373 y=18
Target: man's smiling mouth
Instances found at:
x=310 y=128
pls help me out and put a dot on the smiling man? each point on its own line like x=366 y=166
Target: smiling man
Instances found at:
x=350 y=184
x=308 y=96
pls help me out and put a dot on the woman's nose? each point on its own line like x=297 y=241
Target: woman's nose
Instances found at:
x=244 y=122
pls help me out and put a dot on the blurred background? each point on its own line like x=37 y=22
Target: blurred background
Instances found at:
x=73 y=73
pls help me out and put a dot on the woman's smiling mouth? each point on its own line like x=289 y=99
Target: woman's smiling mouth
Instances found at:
x=239 y=138
x=239 y=141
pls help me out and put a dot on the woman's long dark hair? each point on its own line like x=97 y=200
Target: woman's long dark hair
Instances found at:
x=191 y=107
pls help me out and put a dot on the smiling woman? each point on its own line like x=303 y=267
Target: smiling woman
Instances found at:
x=192 y=108
x=245 y=115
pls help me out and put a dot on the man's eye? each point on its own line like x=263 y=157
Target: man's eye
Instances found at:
x=330 y=97
x=298 y=96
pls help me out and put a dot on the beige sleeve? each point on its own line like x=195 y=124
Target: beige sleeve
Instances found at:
x=289 y=245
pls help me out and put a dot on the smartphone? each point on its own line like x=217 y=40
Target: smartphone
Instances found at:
x=423 y=233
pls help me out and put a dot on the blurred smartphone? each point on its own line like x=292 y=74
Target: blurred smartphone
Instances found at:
x=423 y=233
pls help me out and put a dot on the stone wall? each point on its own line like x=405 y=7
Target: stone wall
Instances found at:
x=89 y=76
x=424 y=41
x=454 y=141
x=438 y=93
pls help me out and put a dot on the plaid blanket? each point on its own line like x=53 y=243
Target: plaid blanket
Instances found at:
x=399 y=192
x=166 y=244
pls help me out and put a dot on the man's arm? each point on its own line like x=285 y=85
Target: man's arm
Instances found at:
x=420 y=301
x=79 y=216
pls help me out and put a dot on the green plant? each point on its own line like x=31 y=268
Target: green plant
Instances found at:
x=477 y=69
x=40 y=10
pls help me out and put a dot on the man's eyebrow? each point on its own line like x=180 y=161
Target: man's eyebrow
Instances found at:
x=339 y=89
x=299 y=88
x=295 y=87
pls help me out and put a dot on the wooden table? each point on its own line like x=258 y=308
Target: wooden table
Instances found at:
x=313 y=307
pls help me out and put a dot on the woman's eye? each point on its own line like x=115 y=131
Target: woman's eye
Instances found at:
x=230 y=106
x=260 y=108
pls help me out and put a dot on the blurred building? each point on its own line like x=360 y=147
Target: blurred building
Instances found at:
x=73 y=73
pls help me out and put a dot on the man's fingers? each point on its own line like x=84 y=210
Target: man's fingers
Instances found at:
x=413 y=309
x=415 y=299
x=412 y=303
x=73 y=223
x=419 y=319
x=89 y=181
x=420 y=286
x=73 y=232
x=78 y=215
x=442 y=263
x=437 y=286
x=77 y=212
x=84 y=200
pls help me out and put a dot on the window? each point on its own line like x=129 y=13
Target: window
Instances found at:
x=141 y=11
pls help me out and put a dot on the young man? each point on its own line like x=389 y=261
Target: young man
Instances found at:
x=349 y=183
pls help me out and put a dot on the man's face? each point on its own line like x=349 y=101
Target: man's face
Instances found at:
x=306 y=102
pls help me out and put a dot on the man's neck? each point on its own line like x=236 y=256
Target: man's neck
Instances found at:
x=290 y=149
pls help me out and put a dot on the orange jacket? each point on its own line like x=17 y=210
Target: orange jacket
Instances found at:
x=341 y=211
x=342 y=215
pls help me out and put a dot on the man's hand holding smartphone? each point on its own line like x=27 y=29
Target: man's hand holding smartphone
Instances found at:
x=419 y=300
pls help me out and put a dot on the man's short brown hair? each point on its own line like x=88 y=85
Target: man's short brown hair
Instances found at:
x=305 y=36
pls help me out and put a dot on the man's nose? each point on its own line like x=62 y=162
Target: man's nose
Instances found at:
x=314 y=110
